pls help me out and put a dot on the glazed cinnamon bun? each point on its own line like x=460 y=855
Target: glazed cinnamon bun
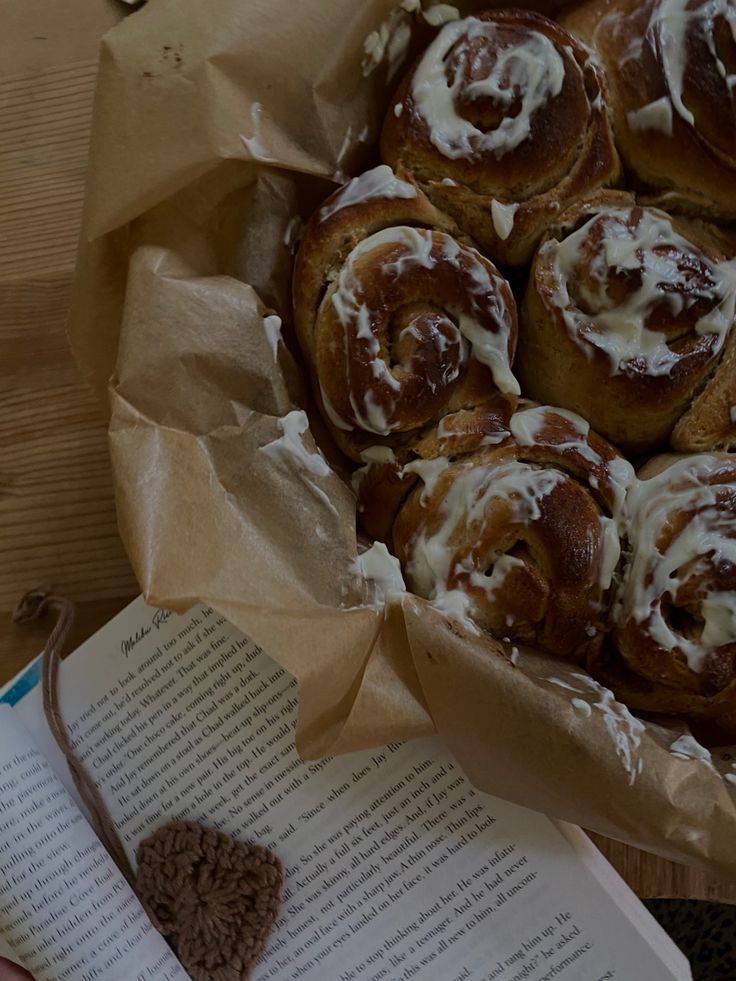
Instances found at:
x=400 y=320
x=503 y=122
x=673 y=647
x=626 y=314
x=671 y=69
x=710 y=422
x=521 y=537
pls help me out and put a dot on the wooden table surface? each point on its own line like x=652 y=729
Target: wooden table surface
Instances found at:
x=57 y=511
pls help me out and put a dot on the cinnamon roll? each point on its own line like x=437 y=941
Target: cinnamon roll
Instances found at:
x=502 y=122
x=710 y=423
x=671 y=68
x=673 y=648
x=400 y=320
x=625 y=316
x=384 y=483
x=520 y=538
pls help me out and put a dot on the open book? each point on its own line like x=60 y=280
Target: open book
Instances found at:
x=395 y=867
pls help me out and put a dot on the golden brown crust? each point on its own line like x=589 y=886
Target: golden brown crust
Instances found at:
x=565 y=354
x=384 y=486
x=693 y=167
x=521 y=533
x=673 y=646
x=712 y=718
x=381 y=488
x=568 y=152
x=332 y=232
x=399 y=321
x=710 y=423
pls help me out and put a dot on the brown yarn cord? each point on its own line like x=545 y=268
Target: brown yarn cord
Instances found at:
x=32 y=606
x=213 y=898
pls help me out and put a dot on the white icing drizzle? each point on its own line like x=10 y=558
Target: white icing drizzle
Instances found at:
x=654 y=115
x=292 y=233
x=416 y=249
x=580 y=705
x=389 y=42
x=371 y=416
x=622 y=478
x=417 y=242
x=493 y=439
x=533 y=70
x=624 y=729
x=356 y=479
x=673 y=21
x=290 y=445
x=610 y=551
x=527 y=426
x=621 y=331
x=254 y=144
x=440 y=14
x=708 y=537
x=429 y=471
x=272 y=327
x=686 y=747
x=382 y=569
x=378 y=454
x=491 y=349
x=464 y=505
x=456 y=604
x=502 y=216
x=289 y=449
x=719 y=619
x=380 y=182
x=559 y=683
x=503 y=565
x=670 y=24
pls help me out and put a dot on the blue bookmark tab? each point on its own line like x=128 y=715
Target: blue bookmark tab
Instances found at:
x=23 y=683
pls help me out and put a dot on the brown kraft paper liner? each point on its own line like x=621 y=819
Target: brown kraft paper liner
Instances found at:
x=214 y=125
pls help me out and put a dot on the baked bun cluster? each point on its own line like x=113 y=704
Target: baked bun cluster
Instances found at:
x=520 y=328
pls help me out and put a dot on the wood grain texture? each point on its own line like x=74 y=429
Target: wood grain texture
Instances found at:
x=45 y=128
x=57 y=512
x=653 y=877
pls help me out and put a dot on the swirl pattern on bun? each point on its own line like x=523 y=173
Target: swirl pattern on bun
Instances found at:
x=673 y=647
x=671 y=69
x=522 y=537
x=503 y=122
x=625 y=316
x=401 y=324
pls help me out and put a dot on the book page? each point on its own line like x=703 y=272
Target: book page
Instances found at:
x=627 y=901
x=11 y=968
x=66 y=912
x=396 y=867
